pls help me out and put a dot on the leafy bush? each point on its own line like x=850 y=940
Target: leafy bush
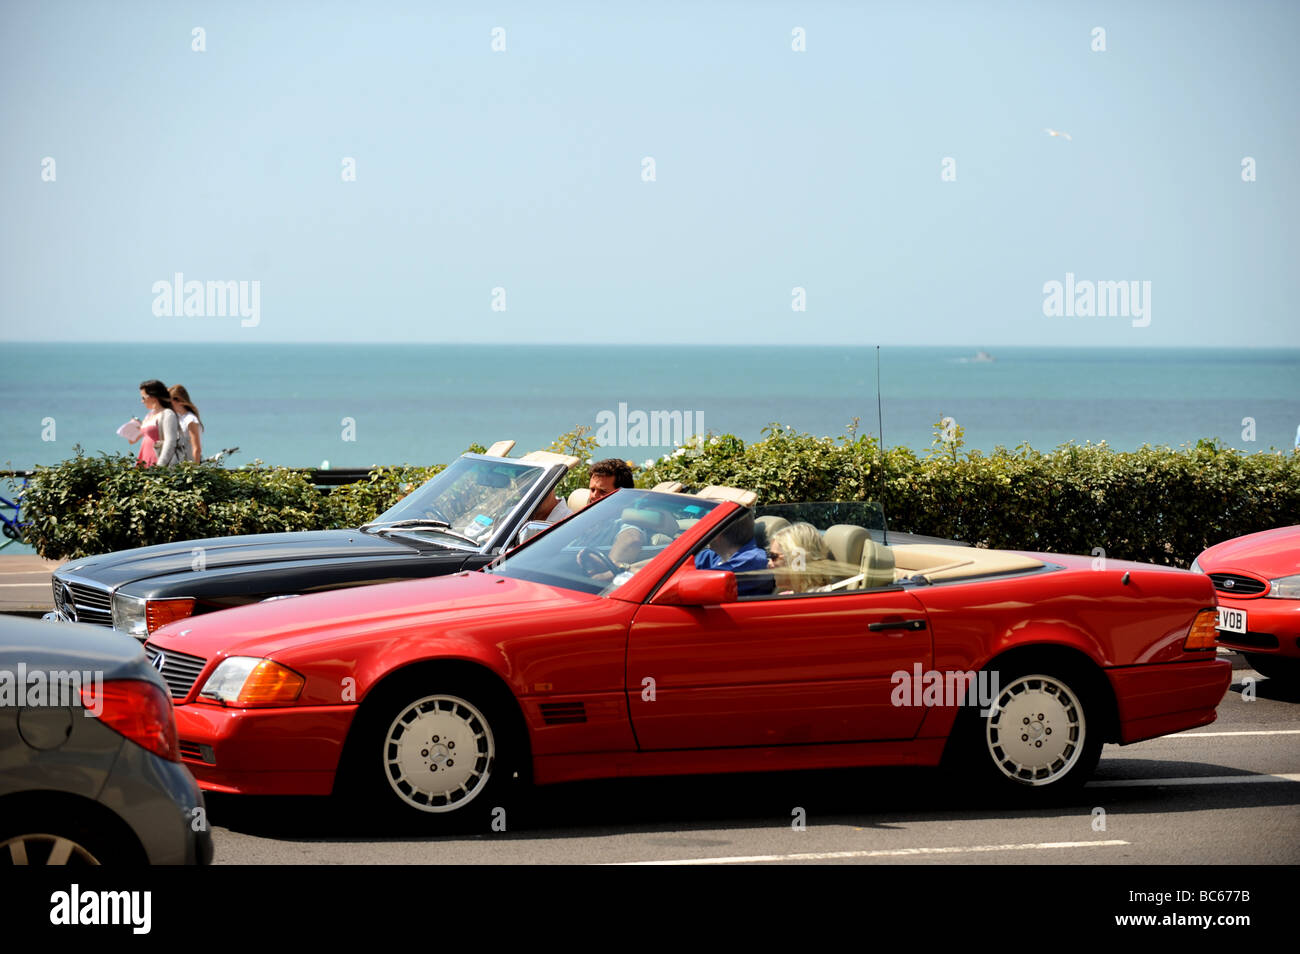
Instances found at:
x=351 y=505
x=578 y=443
x=98 y=504
x=90 y=505
x=1155 y=504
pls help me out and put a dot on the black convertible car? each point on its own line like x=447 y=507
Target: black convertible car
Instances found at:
x=460 y=520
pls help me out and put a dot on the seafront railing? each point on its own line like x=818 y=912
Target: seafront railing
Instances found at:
x=319 y=477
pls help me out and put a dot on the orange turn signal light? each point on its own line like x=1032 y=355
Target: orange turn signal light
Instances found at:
x=158 y=613
x=270 y=684
x=1204 y=631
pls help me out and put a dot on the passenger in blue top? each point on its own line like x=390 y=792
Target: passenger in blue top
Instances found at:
x=734 y=549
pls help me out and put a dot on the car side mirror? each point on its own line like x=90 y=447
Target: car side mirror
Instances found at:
x=699 y=588
x=531 y=529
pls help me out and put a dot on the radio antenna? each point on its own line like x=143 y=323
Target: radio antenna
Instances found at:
x=880 y=426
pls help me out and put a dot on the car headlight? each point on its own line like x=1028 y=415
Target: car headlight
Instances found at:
x=1285 y=588
x=1196 y=567
x=128 y=615
x=139 y=617
x=248 y=681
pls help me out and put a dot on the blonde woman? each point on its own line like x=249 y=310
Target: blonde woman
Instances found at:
x=799 y=559
x=191 y=423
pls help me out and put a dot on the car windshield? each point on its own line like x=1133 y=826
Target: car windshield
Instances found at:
x=464 y=504
x=602 y=547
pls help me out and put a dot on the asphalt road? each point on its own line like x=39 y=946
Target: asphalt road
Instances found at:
x=25 y=583
x=1228 y=793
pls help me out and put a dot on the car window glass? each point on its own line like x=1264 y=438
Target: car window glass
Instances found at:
x=473 y=496
x=603 y=546
x=818 y=549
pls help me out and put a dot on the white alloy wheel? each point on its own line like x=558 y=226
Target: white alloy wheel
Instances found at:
x=44 y=849
x=438 y=753
x=1037 y=730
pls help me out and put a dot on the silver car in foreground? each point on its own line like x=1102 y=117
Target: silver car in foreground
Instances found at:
x=90 y=768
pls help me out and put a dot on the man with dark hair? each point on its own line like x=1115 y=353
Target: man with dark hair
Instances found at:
x=607 y=476
x=733 y=548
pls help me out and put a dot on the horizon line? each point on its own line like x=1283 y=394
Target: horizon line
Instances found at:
x=650 y=343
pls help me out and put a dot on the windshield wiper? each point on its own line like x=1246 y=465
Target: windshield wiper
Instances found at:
x=397 y=524
x=437 y=526
x=416 y=522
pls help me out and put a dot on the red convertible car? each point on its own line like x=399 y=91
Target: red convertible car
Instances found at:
x=661 y=633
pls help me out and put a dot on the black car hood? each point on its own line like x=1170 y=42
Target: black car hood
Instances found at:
x=215 y=553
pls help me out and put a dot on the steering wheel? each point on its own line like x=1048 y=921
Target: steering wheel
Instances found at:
x=605 y=562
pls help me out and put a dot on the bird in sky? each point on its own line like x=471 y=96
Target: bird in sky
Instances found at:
x=1057 y=132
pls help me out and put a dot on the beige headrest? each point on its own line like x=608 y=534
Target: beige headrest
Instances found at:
x=765 y=528
x=546 y=458
x=501 y=449
x=877 y=564
x=668 y=487
x=844 y=541
x=746 y=498
x=578 y=499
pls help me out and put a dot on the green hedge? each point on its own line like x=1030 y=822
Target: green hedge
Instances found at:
x=93 y=505
x=1154 y=504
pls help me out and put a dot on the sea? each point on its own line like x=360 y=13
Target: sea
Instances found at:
x=345 y=406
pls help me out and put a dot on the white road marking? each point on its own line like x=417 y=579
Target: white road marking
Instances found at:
x=879 y=853
x=1194 y=780
x=1210 y=735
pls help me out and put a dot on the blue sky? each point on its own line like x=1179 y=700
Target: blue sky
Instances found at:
x=522 y=169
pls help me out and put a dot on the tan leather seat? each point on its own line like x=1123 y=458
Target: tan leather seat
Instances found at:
x=578 y=499
x=660 y=528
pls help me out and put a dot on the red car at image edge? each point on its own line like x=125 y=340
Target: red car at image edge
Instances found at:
x=1257 y=577
x=599 y=649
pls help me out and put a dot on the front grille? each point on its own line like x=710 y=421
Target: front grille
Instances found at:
x=1235 y=584
x=178 y=670
x=563 y=713
x=85 y=604
x=1253 y=640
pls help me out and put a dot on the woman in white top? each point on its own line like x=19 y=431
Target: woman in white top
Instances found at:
x=191 y=423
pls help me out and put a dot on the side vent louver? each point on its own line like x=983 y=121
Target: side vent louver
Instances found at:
x=563 y=713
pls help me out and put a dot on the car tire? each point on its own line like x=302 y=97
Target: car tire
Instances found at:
x=51 y=842
x=1042 y=737
x=437 y=759
x=1275 y=667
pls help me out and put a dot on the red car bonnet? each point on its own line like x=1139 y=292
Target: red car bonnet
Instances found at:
x=1269 y=554
x=262 y=629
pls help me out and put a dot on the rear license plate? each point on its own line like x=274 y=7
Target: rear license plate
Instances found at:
x=1232 y=620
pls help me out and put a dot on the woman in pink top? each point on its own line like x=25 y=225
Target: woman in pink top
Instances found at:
x=160 y=429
